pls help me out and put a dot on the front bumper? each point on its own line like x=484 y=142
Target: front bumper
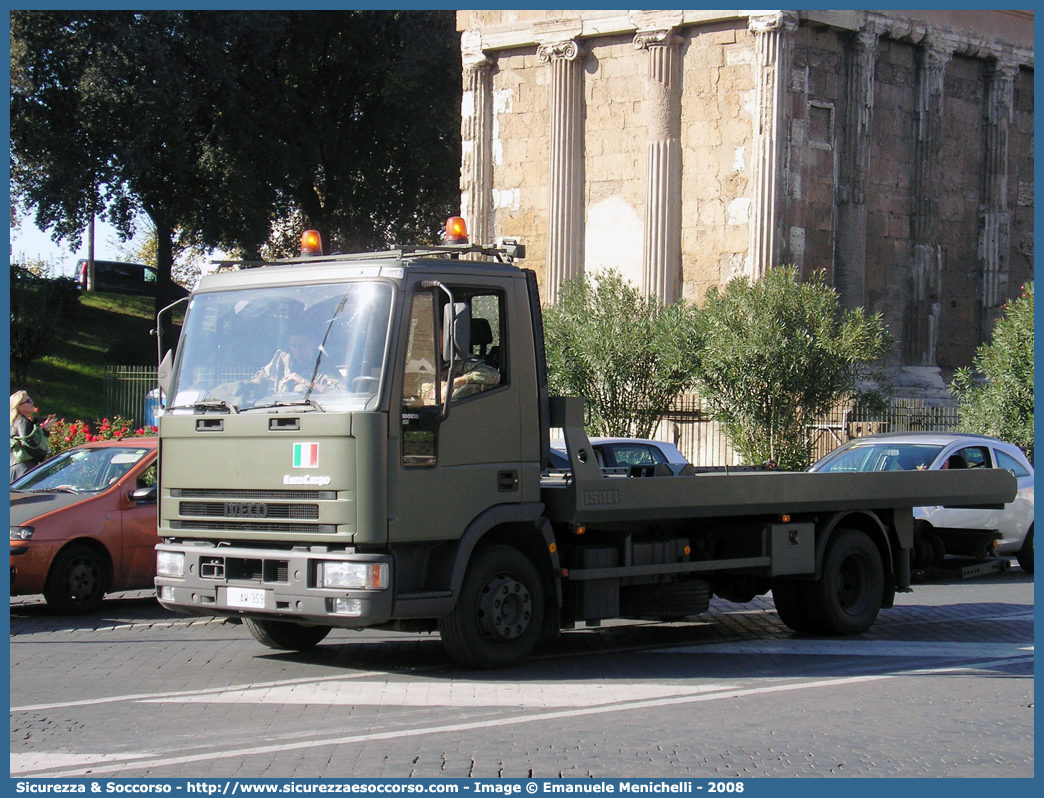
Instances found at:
x=283 y=583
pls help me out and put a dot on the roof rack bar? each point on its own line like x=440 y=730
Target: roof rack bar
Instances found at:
x=397 y=252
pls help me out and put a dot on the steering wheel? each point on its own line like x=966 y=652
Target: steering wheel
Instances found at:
x=365 y=385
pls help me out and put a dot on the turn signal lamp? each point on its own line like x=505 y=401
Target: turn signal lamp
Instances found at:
x=311 y=243
x=456 y=230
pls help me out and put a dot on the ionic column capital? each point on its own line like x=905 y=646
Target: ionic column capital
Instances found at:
x=779 y=22
x=559 y=51
x=648 y=39
x=472 y=55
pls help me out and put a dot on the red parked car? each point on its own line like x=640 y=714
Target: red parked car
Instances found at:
x=83 y=524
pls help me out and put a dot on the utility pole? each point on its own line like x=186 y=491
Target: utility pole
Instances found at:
x=90 y=254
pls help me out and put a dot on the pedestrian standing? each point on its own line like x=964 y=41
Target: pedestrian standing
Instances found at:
x=28 y=439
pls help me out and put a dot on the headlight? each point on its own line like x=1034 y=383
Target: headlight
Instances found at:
x=21 y=533
x=360 y=575
x=170 y=563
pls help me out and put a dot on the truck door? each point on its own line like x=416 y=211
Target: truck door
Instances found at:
x=446 y=471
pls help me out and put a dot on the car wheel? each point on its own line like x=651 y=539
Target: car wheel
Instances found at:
x=938 y=548
x=499 y=613
x=286 y=635
x=1025 y=554
x=78 y=580
x=847 y=597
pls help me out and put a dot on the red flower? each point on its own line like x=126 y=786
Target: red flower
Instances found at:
x=139 y=431
x=68 y=438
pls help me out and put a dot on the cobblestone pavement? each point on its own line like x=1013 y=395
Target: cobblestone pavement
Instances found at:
x=942 y=685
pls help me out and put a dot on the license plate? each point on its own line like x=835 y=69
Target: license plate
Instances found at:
x=245 y=597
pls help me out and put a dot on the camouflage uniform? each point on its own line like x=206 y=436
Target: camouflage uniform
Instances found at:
x=478 y=376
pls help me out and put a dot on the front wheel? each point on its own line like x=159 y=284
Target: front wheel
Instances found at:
x=77 y=581
x=848 y=596
x=499 y=613
x=1025 y=554
x=286 y=635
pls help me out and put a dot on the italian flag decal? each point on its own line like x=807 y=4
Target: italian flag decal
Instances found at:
x=306 y=455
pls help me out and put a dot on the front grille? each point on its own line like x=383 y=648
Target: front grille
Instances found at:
x=255 y=526
x=218 y=510
x=260 y=495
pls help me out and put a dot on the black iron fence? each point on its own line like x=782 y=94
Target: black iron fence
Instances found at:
x=688 y=424
x=691 y=428
x=127 y=390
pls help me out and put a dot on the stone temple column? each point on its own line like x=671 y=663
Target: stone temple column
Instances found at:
x=476 y=113
x=995 y=224
x=565 y=233
x=854 y=166
x=922 y=323
x=773 y=46
x=661 y=256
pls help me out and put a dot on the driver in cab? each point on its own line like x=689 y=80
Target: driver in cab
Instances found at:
x=290 y=370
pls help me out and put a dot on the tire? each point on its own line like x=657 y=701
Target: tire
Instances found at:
x=922 y=553
x=847 y=597
x=789 y=597
x=286 y=635
x=498 y=617
x=1025 y=554
x=78 y=580
x=938 y=548
x=667 y=602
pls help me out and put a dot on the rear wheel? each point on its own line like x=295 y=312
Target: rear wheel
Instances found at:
x=286 y=635
x=848 y=596
x=1025 y=554
x=499 y=613
x=791 y=605
x=78 y=580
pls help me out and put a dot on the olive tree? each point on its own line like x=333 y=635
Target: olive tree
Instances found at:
x=776 y=354
x=627 y=355
x=996 y=398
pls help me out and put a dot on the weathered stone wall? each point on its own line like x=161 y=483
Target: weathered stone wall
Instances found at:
x=1020 y=185
x=520 y=152
x=717 y=140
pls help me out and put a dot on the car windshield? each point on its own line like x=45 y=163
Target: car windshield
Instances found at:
x=881 y=457
x=82 y=470
x=319 y=346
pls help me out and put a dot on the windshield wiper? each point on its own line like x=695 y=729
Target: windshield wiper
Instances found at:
x=217 y=404
x=296 y=403
x=57 y=490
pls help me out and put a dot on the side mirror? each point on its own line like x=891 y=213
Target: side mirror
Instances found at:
x=143 y=495
x=164 y=373
x=456 y=331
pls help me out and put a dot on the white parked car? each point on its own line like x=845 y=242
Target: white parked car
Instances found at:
x=626 y=453
x=937 y=529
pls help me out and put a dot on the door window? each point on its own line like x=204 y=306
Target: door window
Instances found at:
x=1009 y=463
x=420 y=388
x=483 y=367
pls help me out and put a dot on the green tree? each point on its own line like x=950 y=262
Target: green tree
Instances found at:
x=362 y=127
x=627 y=355
x=113 y=113
x=189 y=256
x=1001 y=404
x=776 y=354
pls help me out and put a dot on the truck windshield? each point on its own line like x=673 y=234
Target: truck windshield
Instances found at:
x=318 y=346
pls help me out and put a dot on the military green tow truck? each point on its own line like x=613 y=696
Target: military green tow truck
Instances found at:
x=319 y=468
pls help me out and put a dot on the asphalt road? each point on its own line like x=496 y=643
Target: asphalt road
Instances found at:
x=941 y=686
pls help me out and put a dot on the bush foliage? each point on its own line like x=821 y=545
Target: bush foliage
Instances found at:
x=37 y=304
x=776 y=354
x=996 y=398
x=628 y=356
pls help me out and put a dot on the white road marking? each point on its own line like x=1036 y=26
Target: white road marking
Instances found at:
x=856 y=648
x=455 y=693
x=105 y=764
